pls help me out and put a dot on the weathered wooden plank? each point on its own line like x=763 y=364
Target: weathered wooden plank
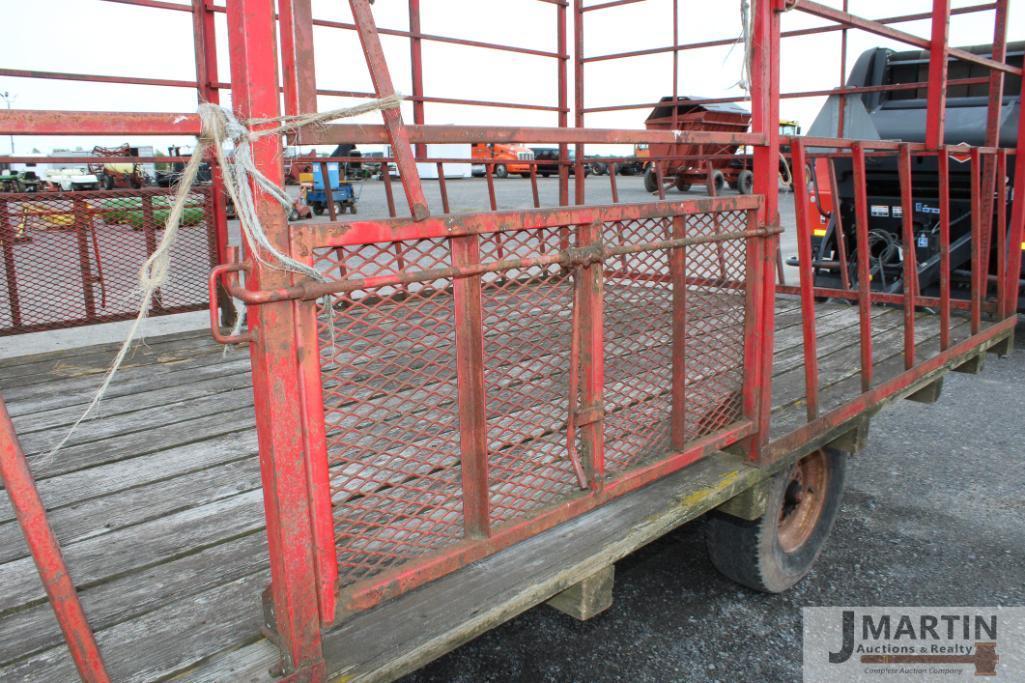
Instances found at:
x=97 y=363
x=144 y=545
x=164 y=642
x=128 y=596
x=111 y=478
x=51 y=394
x=110 y=347
x=115 y=409
x=148 y=440
x=100 y=516
x=65 y=393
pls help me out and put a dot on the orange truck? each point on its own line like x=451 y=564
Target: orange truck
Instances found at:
x=507 y=159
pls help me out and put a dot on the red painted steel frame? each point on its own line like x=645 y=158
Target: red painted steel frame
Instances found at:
x=283 y=325
x=46 y=553
x=301 y=548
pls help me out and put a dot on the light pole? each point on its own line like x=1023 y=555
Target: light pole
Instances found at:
x=9 y=99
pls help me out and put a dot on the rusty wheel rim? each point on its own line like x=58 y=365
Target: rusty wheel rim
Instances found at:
x=803 y=501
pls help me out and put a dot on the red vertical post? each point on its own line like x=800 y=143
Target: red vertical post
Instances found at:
x=473 y=433
x=806 y=276
x=578 y=113
x=937 y=93
x=7 y=238
x=83 y=224
x=943 y=170
x=1001 y=202
x=978 y=276
x=1017 y=227
x=761 y=256
x=678 y=272
x=842 y=109
x=993 y=109
x=443 y=187
x=295 y=24
x=204 y=31
x=277 y=379
x=589 y=296
x=397 y=133
x=416 y=63
x=841 y=236
x=910 y=259
x=864 y=264
x=562 y=41
x=46 y=553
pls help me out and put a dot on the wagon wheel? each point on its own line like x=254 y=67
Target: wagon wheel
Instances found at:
x=682 y=184
x=777 y=550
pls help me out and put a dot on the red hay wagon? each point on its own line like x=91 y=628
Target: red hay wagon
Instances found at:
x=715 y=165
x=474 y=412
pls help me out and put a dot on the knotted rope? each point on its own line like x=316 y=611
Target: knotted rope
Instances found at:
x=218 y=127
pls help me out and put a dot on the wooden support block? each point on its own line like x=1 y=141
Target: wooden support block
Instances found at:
x=854 y=440
x=930 y=393
x=589 y=598
x=973 y=365
x=749 y=504
x=1004 y=347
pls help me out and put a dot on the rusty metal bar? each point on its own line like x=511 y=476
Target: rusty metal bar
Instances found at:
x=300 y=558
x=678 y=272
x=473 y=431
x=944 y=201
x=910 y=258
x=397 y=133
x=46 y=553
x=864 y=266
x=936 y=111
x=978 y=276
x=806 y=275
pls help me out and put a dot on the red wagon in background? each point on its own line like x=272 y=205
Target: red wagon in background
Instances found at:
x=685 y=164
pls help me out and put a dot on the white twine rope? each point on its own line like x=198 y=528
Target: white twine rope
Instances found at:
x=219 y=126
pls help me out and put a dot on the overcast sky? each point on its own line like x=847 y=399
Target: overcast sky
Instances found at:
x=90 y=36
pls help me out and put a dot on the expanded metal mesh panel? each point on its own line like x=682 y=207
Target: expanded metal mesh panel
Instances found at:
x=390 y=383
x=638 y=344
x=73 y=258
x=639 y=335
x=714 y=349
x=527 y=331
x=388 y=371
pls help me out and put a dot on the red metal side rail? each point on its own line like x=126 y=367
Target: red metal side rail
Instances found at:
x=46 y=552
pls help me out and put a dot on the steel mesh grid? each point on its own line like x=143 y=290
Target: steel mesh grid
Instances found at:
x=527 y=315
x=638 y=336
x=716 y=310
x=73 y=258
x=638 y=345
x=391 y=418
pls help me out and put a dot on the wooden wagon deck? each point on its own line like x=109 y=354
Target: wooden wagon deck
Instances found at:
x=157 y=504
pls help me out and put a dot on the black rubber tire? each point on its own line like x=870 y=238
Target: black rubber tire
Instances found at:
x=318 y=208
x=501 y=171
x=682 y=184
x=718 y=181
x=545 y=175
x=750 y=553
x=745 y=182
x=650 y=181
